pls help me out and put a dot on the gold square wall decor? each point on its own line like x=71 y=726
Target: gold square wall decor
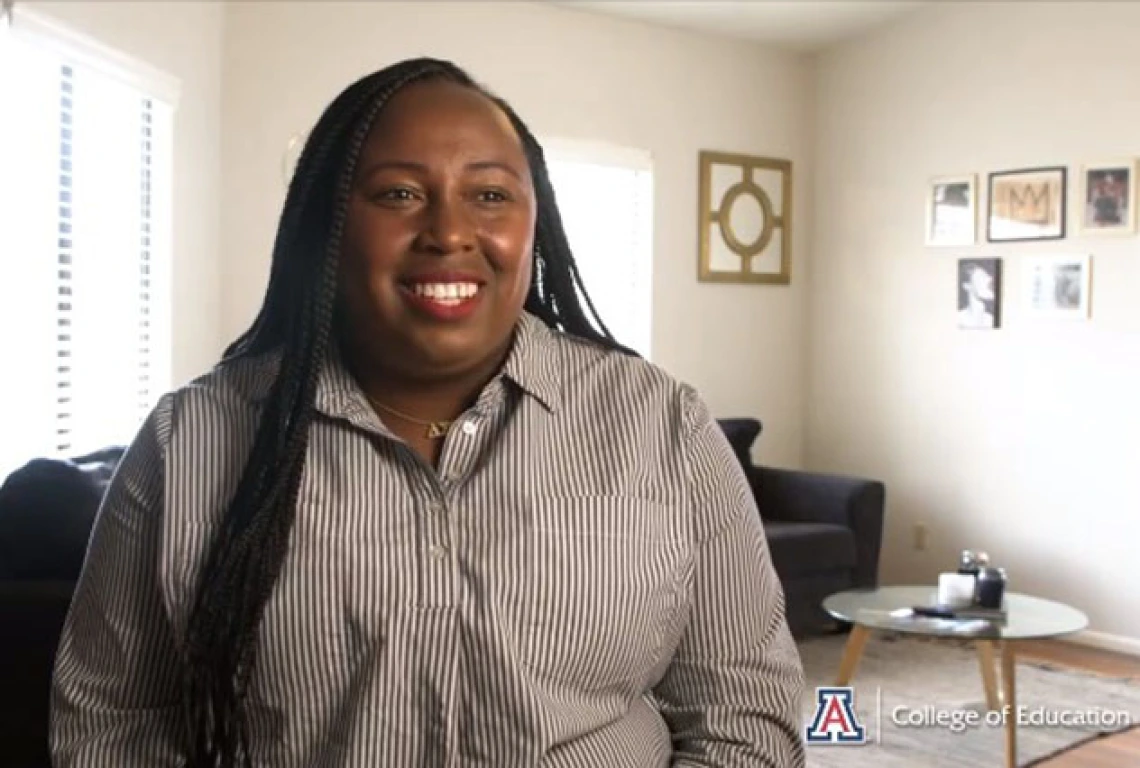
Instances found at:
x=744 y=219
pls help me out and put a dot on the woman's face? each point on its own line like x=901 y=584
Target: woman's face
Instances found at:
x=439 y=238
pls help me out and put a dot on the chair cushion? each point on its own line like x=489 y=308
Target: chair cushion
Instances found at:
x=47 y=508
x=803 y=548
x=741 y=434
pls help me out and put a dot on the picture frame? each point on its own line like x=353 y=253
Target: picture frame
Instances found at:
x=1106 y=198
x=1057 y=286
x=1027 y=204
x=744 y=219
x=979 y=294
x=952 y=211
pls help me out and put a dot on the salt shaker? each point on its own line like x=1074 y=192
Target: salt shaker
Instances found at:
x=968 y=563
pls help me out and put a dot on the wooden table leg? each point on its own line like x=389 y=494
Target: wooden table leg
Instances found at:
x=1009 y=696
x=852 y=653
x=988 y=663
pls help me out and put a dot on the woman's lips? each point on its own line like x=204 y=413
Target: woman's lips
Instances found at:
x=446 y=300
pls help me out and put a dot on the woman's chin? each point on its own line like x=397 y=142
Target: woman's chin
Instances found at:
x=448 y=351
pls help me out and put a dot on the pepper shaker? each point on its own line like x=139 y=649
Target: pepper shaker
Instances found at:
x=990 y=590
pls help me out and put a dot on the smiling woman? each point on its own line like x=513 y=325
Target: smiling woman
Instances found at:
x=427 y=511
x=436 y=263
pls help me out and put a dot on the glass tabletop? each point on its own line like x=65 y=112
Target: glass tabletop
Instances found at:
x=1026 y=617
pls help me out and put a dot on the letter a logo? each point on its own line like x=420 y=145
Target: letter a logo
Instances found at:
x=834 y=721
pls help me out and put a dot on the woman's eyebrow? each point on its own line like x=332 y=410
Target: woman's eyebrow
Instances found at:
x=394 y=165
x=408 y=165
x=495 y=164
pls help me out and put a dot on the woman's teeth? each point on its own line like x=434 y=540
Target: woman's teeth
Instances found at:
x=445 y=293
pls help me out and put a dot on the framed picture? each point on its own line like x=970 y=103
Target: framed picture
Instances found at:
x=1027 y=205
x=979 y=294
x=1057 y=286
x=1107 y=195
x=744 y=219
x=952 y=211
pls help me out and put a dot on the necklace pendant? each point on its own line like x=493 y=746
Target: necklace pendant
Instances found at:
x=437 y=429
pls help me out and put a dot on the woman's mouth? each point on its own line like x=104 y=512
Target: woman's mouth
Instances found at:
x=447 y=294
x=443 y=300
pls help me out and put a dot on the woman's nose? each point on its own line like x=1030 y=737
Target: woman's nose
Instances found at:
x=448 y=227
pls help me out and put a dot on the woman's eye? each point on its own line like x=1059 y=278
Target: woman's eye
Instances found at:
x=493 y=196
x=396 y=195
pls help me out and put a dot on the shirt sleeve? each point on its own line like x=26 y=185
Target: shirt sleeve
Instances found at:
x=732 y=694
x=115 y=691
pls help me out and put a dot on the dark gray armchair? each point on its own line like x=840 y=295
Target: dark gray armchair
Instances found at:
x=824 y=531
x=47 y=508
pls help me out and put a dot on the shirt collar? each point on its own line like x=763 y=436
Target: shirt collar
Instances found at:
x=532 y=365
x=339 y=395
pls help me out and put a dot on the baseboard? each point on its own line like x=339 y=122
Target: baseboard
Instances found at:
x=1106 y=642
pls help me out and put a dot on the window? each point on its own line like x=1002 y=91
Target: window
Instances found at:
x=85 y=156
x=605 y=195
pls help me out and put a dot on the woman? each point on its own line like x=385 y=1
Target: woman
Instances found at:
x=426 y=513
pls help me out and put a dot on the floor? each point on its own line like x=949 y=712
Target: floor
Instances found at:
x=1120 y=751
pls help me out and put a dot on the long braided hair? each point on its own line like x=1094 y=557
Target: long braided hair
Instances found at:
x=297 y=320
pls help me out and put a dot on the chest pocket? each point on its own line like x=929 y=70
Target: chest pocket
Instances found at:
x=599 y=586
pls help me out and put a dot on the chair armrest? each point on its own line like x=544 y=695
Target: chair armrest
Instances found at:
x=810 y=497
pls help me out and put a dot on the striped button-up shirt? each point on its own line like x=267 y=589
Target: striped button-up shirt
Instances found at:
x=582 y=581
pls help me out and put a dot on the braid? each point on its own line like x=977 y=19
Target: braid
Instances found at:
x=296 y=323
x=246 y=557
x=556 y=284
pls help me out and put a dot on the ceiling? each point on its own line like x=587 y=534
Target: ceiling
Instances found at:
x=803 y=25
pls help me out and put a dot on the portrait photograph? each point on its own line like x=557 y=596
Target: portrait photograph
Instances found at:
x=979 y=294
x=1027 y=205
x=951 y=211
x=1107 y=196
x=1057 y=286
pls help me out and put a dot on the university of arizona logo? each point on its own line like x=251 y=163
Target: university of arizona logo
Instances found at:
x=834 y=721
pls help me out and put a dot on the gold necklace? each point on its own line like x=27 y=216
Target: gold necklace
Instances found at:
x=433 y=429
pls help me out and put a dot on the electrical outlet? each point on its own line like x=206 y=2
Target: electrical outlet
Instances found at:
x=921 y=534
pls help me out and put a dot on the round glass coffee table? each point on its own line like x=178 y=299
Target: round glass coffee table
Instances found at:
x=1027 y=618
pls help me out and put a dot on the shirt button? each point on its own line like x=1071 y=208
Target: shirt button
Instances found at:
x=469 y=429
x=438 y=552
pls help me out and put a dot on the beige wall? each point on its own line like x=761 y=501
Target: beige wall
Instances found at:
x=184 y=39
x=1023 y=441
x=569 y=75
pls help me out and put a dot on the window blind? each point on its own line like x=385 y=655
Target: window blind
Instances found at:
x=85 y=156
x=605 y=195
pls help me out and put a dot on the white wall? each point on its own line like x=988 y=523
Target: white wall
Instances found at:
x=184 y=39
x=1024 y=441
x=570 y=75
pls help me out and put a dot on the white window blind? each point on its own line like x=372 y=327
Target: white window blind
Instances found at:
x=605 y=195
x=85 y=161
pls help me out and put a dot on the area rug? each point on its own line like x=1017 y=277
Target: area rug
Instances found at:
x=909 y=691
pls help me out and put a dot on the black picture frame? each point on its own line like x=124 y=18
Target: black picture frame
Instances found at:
x=1045 y=188
x=979 y=293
